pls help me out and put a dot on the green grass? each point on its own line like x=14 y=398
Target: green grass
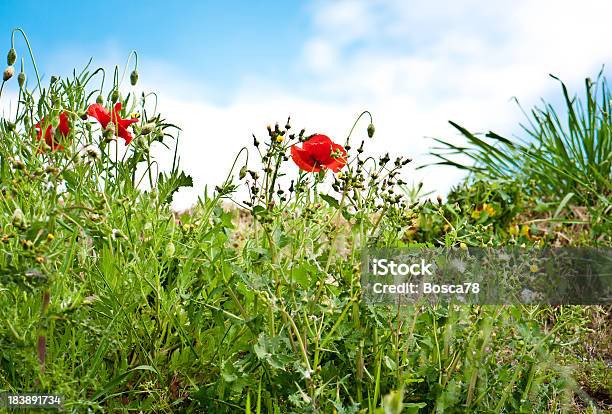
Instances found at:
x=119 y=304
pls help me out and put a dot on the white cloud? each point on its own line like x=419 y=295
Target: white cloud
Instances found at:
x=414 y=65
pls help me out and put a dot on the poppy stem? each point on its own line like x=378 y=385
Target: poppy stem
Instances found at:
x=18 y=29
x=103 y=77
x=229 y=175
x=355 y=124
x=155 y=107
x=127 y=62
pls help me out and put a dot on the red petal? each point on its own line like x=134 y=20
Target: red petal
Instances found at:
x=319 y=148
x=39 y=128
x=100 y=113
x=303 y=160
x=127 y=122
x=125 y=134
x=64 y=125
x=315 y=142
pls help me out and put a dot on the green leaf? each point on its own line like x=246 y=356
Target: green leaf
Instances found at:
x=169 y=185
x=562 y=204
x=390 y=363
x=119 y=379
x=330 y=200
x=259 y=211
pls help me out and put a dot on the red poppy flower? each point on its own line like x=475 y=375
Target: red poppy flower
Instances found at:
x=319 y=152
x=104 y=117
x=50 y=133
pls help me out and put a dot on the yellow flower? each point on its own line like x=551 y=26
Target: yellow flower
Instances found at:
x=525 y=230
x=50 y=237
x=280 y=138
x=533 y=268
x=489 y=209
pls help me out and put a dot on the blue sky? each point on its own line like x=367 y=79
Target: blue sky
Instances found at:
x=223 y=70
x=219 y=41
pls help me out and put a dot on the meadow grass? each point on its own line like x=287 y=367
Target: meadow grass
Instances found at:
x=118 y=303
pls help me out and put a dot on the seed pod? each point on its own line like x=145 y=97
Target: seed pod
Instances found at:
x=8 y=73
x=134 y=77
x=21 y=78
x=115 y=95
x=118 y=234
x=100 y=99
x=11 y=57
x=170 y=249
x=371 y=130
x=109 y=131
x=19 y=219
x=147 y=128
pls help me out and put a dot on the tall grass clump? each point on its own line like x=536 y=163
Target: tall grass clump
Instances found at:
x=565 y=153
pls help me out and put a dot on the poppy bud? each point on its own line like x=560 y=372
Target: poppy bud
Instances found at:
x=100 y=99
x=371 y=130
x=255 y=142
x=11 y=57
x=8 y=73
x=53 y=79
x=243 y=172
x=134 y=77
x=115 y=95
x=21 y=78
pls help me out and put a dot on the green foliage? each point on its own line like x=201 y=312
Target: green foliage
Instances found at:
x=568 y=152
x=256 y=309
